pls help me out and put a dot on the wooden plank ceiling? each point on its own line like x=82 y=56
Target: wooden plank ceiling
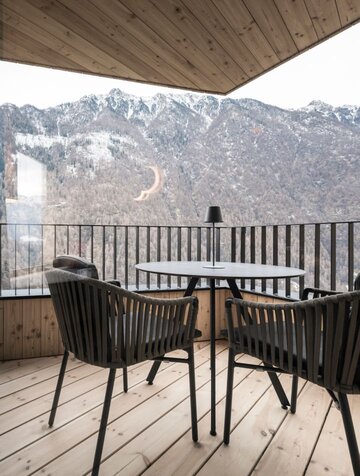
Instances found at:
x=202 y=45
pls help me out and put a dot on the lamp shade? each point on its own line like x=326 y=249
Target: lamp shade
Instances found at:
x=213 y=215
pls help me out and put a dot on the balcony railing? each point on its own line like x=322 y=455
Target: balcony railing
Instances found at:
x=326 y=251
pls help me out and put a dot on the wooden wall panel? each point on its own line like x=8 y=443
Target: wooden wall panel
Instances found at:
x=31 y=328
x=1 y=330
x=13 y=329
x=49 y=329
x=203 y=319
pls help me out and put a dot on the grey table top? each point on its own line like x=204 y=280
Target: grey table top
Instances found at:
x=227 y=270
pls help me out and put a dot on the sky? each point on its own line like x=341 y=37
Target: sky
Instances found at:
x=329 y=72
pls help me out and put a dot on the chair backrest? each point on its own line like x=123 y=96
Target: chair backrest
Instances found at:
x=357 y=282
x=109 y=326
x=77 y=265
x=312 y=293
x=318 y=339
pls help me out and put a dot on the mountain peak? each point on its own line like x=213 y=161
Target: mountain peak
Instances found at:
x=201 y=146
x=319 y=104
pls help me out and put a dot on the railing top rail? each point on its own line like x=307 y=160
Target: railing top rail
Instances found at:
x=182 y=226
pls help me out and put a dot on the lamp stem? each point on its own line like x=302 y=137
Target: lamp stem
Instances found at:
x=213 y=243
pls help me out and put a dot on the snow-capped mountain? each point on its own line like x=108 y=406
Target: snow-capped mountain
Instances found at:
x=262 y=164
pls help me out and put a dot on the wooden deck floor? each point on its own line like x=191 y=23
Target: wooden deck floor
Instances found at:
x=149 y=430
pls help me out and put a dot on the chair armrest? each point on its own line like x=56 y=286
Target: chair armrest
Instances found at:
x=114 y=282
x=317 y=292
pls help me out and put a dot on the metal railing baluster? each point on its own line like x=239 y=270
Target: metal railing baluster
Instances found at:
x=169 y=253
x=115 y=252
x=28 y=260
x=55 y=239
x=158 y=253
x=148 y=237
x=92 y=243
x=1 y=267
x=15 y=271
x=179 y=243
x=137 y=254
x=252 y=252
x=301 y=257
x=218 y=243
x=288 y=257
x=208 y=244
x=218 y=249
x=275 y=256
x=333 y=256
x=317 y=257
x=67 y=239
x=350 y=256
x=126 y=250
x=103 y=252
x=42 y=258
x=189 y=243
x=263 y=255
x=243 y=251
x=198 y=243
x=233 y=244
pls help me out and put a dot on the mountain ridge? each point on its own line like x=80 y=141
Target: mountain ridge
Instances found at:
x=261 y=163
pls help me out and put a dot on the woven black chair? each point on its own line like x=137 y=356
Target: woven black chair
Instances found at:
x=82 y=267
x=309 y=293
x=110 y=327
x=313 y=293
x=316 y=339
x=77 y=265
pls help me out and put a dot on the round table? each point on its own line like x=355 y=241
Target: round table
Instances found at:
x=222 y=270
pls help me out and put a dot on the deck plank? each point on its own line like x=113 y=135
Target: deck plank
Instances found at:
x=23 y=383
x=182 y=457
x=150 y=432
x=81 y=393
x=252 y=431
x=77 y=434
x=331 y=455
x=176 y=426
x=168 y=391
x=13 y=369
x=290 y=451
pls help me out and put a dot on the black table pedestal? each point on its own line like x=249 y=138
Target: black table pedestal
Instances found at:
x=212 y=358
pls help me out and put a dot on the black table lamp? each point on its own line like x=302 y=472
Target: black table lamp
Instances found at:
x=213 y=215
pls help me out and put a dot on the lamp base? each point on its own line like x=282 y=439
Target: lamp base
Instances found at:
x=213 y=266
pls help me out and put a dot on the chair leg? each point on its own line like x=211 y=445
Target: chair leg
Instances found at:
x=153 y=371
x=229 y=392
x=58 y=388
x=194 y=427
x=294 y=390
x=350 y=433
x=103 y=423
x=125 y=379
x=279 y=390
x=334 y=398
